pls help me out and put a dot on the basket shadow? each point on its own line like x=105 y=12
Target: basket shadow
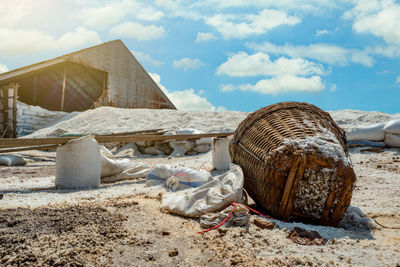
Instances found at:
x=354 y=225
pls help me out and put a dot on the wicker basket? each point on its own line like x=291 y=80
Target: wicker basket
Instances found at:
x=295 y=161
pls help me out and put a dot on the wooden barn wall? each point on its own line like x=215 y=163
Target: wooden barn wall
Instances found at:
x=129 y=84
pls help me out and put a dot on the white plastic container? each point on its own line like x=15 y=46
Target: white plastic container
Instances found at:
x=220 y=153
x=78 y=164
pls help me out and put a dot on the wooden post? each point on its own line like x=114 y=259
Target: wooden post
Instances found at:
x=6 y=114
x=105 y=98
x=63 y=88
x=2 y=112
x=14 y=116
x=34 y=89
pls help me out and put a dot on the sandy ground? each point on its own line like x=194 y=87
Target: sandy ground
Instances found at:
x=121 y=224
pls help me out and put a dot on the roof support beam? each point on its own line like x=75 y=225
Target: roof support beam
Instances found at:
x=34 y=89
x=63 y=88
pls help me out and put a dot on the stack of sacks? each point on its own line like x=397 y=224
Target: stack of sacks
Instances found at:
x=32 y=118
x=176 y=148
x=381 y=134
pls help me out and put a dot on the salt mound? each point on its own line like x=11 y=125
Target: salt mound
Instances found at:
x=350 y=119
x=106 y=120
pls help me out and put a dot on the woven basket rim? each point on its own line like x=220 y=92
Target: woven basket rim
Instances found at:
x=258 y=114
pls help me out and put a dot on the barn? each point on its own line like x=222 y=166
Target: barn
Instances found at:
x=104 y=75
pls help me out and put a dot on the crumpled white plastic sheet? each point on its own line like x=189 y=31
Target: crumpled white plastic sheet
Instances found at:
x=113 y=170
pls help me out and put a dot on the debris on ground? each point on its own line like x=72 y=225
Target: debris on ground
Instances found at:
x=264 y=224
x=304 y=237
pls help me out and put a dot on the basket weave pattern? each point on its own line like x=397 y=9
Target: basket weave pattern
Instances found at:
x=286 y=173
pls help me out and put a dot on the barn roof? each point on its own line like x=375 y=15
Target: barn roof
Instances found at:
x=128 y=82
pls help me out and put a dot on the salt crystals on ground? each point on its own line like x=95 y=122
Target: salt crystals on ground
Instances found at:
x=358 y=240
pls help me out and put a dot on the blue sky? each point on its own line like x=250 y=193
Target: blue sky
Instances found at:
x=216 y=55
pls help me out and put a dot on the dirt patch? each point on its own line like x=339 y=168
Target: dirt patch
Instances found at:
x=28 y=171
x=78 y=235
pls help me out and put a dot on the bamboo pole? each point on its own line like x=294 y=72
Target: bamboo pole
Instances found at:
x=25 y=142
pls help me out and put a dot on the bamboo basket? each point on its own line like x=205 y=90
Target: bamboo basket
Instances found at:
x=295 y=161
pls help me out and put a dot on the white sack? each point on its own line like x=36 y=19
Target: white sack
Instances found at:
x=113 y=170
x=220 y=153
x=161 y=173
x=392 y=140
x=392 y=127
x=210 y=197
x=10 y=160
x=181 y=147
x=78 y=163
x=373 y=133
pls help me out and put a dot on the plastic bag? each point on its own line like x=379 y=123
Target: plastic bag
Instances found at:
x=176 y=176
x=373 y=133
x=392 y=140
x=10 y=160
x=392 y=127
x=113 y=170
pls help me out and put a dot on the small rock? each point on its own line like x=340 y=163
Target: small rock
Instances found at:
x=173 y=252
x=1 y=196
x=152 y=151
x=222 y=230
x=264 y=224
x=165 y=232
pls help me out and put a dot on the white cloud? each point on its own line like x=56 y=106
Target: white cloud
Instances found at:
x=333 y=88
x=138 y=31
x=241 y=26
x=12 y=11
x=30 y=41
x=241 y=65
x=143 y=57
x=322 y=32
x=188 y=63
x=330 y=54
x=187 y=100
x=103 y=16
x=3 y=68
x=387 y=51
x=149 y=14
x=112 y=12
x=175 y=8
x=398 y=79
x=205 y=37
x=379 y=18
x=314 y=6
x=228 y=87
x=280 y=85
